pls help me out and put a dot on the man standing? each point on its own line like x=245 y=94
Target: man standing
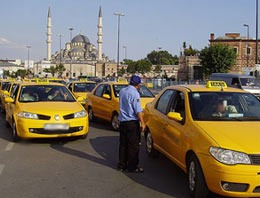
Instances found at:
x=131 y=113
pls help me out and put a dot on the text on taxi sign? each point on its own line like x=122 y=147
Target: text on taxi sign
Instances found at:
x=216 y=84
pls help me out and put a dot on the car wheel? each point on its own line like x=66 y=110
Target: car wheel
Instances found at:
x=115 y=122
x=150 y=150
x=16 y=138
x=197 y=184
x=91 y=116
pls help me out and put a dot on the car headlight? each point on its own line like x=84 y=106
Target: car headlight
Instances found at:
x=80 y=114
x=229 y=157
x=28 y=115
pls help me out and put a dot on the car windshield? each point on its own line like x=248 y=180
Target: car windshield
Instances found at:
x=58 y=81
x=84 y=87
x=249 y=82
x=43 y=93
x=224 y=106
x=6 y=86
x=143 y=91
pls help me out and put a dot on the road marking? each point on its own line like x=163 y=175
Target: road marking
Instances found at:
x=1 y=168
x=9 y=146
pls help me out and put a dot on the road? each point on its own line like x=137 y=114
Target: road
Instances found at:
x=67 y=168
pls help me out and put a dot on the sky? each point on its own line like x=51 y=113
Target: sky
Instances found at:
x=146 y=26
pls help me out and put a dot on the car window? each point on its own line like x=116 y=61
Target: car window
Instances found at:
x=41 y=93
x=6 y=86
x=145 y=92
x=99 y=90
x=15 y=92
x=84 y=87
x=107 y=90
x=178 y=104
x=117 y=89
x=163 y=102
x=70 y=86
x=224 y=106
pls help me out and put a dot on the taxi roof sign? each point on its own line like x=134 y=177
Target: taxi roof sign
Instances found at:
x=220 y=84
x=122 y=80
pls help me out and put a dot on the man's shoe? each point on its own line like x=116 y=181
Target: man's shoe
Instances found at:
x=137 y=170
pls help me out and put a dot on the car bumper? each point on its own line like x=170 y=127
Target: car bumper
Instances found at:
x=217 y=173
x=29 y=128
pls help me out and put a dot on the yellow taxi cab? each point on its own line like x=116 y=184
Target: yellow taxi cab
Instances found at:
x=103 y=101
x=57 y=80
x=6 y=86
x=6 y=94
x=45 y=110
x=212 y=133
x=81 y=88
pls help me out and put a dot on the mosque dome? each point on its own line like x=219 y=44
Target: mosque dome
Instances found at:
x=80 y=39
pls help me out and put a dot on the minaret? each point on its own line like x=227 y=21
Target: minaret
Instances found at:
x=100 y=34
x=49 y=41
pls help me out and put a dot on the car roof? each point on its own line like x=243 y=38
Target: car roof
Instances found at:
x=230 y=75
x=114 y=83
x=44 y=83
x=203 y=88
x=83 y=82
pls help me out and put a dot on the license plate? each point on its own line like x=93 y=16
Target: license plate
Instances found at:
x=56 y=126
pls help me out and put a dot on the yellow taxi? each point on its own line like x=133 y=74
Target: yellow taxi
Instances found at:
x=103 y=101
x=45 y=110
x=57 y=80
x=4 y=92
x=81 y=88
x=212 y=133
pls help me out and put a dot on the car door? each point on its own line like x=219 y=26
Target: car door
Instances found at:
x=107 y=106
x=11 y=106
x=174 y=131
x=158 y=118
x=96 y=101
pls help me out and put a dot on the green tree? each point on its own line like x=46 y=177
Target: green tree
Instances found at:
x=190 y=51
x=131 y=66
x=51 y=70
x=6 y=73
x=60 y=69
x=121 y=72
x=217 y=58
x=162 y=58
x=21 y=72
x=143 y=66
x=158 y=69
x=184 y=45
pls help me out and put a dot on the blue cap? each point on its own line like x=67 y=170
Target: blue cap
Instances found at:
x=135 y=79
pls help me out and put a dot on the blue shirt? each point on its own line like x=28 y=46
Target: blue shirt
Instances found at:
x=130 y=104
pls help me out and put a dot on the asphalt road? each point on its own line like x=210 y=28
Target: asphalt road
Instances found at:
x=67 y=168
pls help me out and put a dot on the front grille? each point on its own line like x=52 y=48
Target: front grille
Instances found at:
x=43 y=117
x=255 y=159
x=55 y=132
x=69 y=116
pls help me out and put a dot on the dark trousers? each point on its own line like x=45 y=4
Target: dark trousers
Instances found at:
x=129 y=145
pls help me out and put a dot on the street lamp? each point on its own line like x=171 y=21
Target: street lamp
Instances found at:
x=70 y=29
x=256 y=51
x=60 y=35
x=28 y=47
x=118 y=36
x=247 y=54
x=125 y=47
x=159 y=48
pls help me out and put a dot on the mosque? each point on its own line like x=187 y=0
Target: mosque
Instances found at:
x=79 y=57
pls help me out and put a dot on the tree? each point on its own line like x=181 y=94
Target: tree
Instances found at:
x=60 y=69
x=184 y=45
x=158 y=69
x=131 y=66
x=21 y=72
x=121 y=72
x=162 y=58
x=143 y=66
x=190 y=51
x=51 y=70
x=217 y=58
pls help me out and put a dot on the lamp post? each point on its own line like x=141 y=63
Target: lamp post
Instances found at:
x=71 y=29
x=125 y=47
x=28 y=47
x=247 y=54
x=159 y=49
x=256 y=51
x=60 y=35
x=118 y=35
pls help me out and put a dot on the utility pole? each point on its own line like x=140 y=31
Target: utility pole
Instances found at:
x=118 y=36
x=247 y=54
x=60 y=35
x=28 y=47
x=71 y=29
x=125 y=47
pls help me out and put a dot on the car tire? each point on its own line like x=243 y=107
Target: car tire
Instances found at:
x=16 y=138
x=91 y=116
x=150 y=150
x=115 y=122
x=197 y=184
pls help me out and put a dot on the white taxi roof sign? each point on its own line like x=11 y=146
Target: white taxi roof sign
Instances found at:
x=220 y=84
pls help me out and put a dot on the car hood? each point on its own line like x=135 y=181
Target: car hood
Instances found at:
x=52 y=108
x=239 y=136
x=252 y=90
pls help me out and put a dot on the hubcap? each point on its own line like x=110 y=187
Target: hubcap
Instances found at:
x=14 y=130
x=149 y=142
x=192 y=175
x=115 y=122
x=90 y=114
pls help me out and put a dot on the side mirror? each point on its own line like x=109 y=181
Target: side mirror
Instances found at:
x=80 y=99
x=5 y=92
x=9 y=100
x=175 y=116
x=106 y=96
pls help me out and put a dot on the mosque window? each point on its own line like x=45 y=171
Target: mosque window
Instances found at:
x=74 y=74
